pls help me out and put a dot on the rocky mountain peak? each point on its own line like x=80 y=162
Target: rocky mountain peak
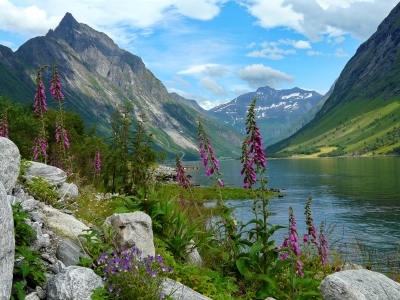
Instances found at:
x=80 y=36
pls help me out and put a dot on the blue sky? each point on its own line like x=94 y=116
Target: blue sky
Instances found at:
x=214 y=50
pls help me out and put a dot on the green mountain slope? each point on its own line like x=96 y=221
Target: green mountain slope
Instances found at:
x=361 y=116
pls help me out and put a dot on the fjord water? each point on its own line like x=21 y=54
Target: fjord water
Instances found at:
x=359 y=196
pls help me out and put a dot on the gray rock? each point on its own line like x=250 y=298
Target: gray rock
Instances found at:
x=42 y=240
x=73 y=283
x=359 y=285
x=13 y=200
x=7 y=245
x=132 y=230
x=180 y=291
x=36 y=216
x=69 y=252
x=29 y=205
x=51 y=174
x=10 y=161
x=41 y=292
x=193 y=256
x=32 y=296
x=68 y=192
x=59 y=267
x=64 y=224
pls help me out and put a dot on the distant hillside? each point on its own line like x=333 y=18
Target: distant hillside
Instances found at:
x=98 y=77
x=361 y=116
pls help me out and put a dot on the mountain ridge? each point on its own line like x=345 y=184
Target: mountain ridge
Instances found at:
x=98 y=77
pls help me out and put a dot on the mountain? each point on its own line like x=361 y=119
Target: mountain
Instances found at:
x=361 y=116
x=276 y=110
x=98 y=77
x=190 y=102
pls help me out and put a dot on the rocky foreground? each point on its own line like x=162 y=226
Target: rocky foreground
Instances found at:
x=60 y=247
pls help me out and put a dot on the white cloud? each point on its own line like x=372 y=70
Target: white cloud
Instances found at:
x=37 y=19
x=271 y=50
x=314 y=53
x=316 y=18
x=339 y=39
x=212 y=86
x=297 y=44
x=207 y=69
x=274 y=13
x=28 y=19
x=340 y=53
x=258 y=75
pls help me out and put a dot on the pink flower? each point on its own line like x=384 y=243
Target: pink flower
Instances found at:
x=220 y=182
x=97 y=163
x=40 y=97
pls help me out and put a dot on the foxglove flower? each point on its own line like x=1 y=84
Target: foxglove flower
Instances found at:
x=40 y=105
x=97 y=163
x=253 y=156
x=180 y=174
x=4 y=128
x=311 y=231
x=210 y=162
x=55 y=87
x=323 y=245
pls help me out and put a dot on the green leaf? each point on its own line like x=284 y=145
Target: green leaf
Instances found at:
x=25 y=269
x=243 y=265
x=254 y=250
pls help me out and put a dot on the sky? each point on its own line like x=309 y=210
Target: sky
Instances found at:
x=215 y=50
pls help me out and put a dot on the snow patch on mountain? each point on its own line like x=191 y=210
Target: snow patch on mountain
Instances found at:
x=297 y=96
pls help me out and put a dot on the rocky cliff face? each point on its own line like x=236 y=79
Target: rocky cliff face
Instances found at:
x=97 y=77
x=374 y=70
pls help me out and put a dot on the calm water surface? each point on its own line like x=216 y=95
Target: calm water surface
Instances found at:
x=360 y=196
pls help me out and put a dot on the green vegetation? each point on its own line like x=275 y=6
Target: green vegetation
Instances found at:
x=359 y=127
x=28 y=269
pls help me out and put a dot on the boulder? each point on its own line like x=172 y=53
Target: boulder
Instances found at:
x=42 y=240
x=132 y=230
x=359 y=285
x=180 y=291
x=69 y=252
x=52 y=175
x=7 y=245
x=64 y=224
x=193 y=256
x=10 y=161
x=32 y=296
x=73 y=283
x=68 y=192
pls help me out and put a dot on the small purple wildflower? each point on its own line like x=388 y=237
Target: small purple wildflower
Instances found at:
x=310 y=226
x=144 y=274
